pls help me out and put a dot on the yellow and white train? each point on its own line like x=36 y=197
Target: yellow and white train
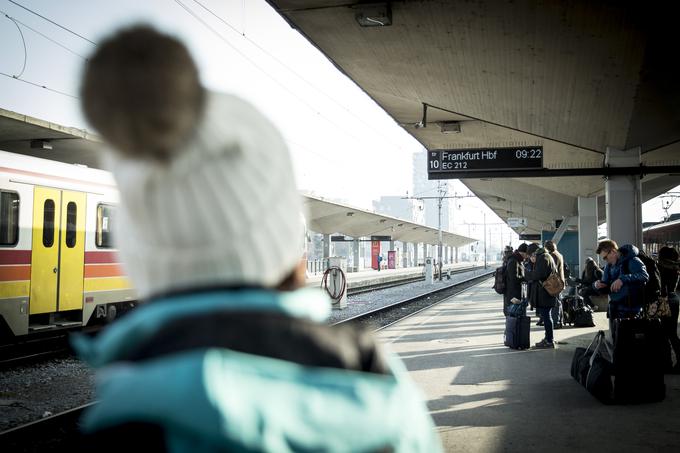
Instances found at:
x=58 y=268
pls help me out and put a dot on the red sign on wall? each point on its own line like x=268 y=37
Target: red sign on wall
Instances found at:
x=375 y=251
x=391 y=259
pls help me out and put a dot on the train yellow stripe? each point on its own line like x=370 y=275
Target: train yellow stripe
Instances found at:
x=106 y=284
x=15 y=289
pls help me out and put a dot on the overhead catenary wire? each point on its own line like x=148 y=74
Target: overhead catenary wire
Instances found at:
x=15 y=20
x=38 y=85
x=259 y=68
x=53 y=22
x=293 y=71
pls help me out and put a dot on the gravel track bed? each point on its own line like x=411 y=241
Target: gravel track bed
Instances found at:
x=361 y=303
x=29 y=393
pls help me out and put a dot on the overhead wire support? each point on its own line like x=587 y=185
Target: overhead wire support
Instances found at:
x=17 y=21
x=23 y=41
x=53 y=22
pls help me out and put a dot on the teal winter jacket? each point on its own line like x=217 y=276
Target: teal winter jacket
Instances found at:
x=207 y=397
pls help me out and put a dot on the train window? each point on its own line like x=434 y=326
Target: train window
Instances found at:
x=48 y=223
x=71 y=212
x=105 y=213
x=9 y=218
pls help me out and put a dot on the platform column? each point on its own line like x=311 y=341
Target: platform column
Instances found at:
x=326 y=248
x=624 y=199
x=456 y=254
x=404 y=254
x=587 y=230
x=355 y=254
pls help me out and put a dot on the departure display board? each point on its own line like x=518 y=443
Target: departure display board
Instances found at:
x=484 y=159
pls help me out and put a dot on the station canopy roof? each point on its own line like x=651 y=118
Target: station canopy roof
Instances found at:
x=30 y=136
x=329 y=217
x=22 y=134
x=574 y=77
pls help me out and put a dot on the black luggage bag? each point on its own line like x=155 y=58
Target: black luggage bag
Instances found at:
x=592 y=368
x=640 y=355
x=517 y=332
x=583 y=317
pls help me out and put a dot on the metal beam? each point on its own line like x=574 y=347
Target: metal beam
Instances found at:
x=549 y=173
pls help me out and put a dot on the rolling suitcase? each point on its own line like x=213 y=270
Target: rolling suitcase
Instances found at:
x=639 y=360
x=517 y=332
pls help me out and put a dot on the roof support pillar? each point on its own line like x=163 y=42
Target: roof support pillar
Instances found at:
x=587 y=230
x=355 y=254
x=624 y=199
x=326 y=247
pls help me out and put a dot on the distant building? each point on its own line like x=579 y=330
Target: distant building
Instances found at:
x=422 y=187
x=400 y=208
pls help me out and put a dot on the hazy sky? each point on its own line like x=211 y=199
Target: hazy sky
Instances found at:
x=343 y=144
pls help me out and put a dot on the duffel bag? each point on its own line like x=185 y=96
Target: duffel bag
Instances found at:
x=580 y=362
x=599 y=378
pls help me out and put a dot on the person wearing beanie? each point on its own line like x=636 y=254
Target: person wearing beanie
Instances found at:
x=228 y=352
x=543 y=266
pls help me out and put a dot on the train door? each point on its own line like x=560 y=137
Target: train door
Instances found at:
x=72 y=251
x=58 y=251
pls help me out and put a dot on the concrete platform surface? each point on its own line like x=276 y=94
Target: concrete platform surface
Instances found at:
x=485 y=397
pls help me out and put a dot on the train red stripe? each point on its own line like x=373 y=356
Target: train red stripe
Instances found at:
x=101 y=257
x=12 y=256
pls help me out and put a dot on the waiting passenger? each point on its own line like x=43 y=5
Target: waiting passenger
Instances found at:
x=557 y=313
x=669 y=268
x=590 y=275
x=543 y=266
x=623 y=278
x=514 y=276
x=229 y=353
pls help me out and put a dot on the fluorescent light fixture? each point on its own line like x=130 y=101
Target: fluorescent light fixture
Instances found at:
x=41 y=144
x=450 y=127
x=374 y=15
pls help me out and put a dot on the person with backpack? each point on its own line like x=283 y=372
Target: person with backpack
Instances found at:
x=624 y=278
x=543 y=266
x=590 y=275
x=557 y=314
x=514 y=276
x=669 y=272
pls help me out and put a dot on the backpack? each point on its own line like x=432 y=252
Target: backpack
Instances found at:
x=499 y=279
x=652 y=289
x=554 y=284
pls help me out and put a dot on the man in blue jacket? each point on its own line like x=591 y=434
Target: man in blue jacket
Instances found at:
x=624 y=277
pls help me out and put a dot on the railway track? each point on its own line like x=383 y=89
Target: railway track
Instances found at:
x=385 y=316
x=59 y=432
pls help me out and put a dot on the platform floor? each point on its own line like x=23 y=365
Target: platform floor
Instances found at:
x=485 y=397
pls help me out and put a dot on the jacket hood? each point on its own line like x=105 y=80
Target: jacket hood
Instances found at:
x=628 y=251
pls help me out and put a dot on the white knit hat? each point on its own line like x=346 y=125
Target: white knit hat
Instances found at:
x=225 y=211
